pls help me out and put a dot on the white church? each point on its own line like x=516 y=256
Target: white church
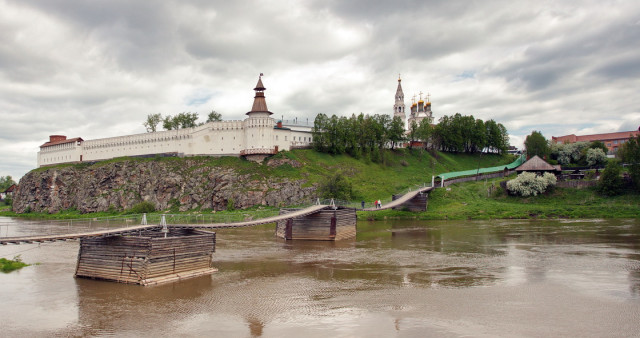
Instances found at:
x=419 y=111
x=255 y=138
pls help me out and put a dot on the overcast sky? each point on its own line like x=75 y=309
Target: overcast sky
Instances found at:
x=95 y=69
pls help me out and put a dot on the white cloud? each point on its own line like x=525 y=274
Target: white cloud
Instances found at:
x=96 y=69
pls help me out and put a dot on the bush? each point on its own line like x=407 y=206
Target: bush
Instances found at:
x=231 y=205
x=611 y=182
x=596 y=157
x=8 y=201
x=530 y=184
x=337 y=187
x=143 y=207
x=7 y=265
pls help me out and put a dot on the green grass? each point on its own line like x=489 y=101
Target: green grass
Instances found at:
x=400 y=170
x=8 y=265
x=474 y=200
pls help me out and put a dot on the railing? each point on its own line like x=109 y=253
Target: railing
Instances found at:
x=258 y=151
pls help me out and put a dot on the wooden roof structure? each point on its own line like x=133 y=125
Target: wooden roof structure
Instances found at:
x=536 y=164
x=259 y=102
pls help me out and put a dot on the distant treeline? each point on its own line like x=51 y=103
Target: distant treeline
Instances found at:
x=367 y=135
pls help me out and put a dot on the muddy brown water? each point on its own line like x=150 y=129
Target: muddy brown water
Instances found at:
x=397 y=278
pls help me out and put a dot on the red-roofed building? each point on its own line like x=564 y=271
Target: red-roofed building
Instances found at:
x=612 y=140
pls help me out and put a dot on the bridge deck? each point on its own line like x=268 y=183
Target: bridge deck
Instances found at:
x=134 y=229
x=406 y=197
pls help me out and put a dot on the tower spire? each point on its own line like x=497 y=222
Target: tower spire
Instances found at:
x=398 y=107
x=259 y=102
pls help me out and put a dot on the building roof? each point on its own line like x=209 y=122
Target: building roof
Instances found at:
x=536 y=164
x=12 y=188
x=597 y=137
x=259 y=102
x=48 y=144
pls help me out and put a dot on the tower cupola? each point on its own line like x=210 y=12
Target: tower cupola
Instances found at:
x=259 y=101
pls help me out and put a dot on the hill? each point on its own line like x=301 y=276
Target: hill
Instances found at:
x=220 y=183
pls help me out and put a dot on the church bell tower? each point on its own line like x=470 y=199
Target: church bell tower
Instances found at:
x=398 y=108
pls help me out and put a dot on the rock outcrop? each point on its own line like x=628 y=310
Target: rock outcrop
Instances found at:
x=180 y=183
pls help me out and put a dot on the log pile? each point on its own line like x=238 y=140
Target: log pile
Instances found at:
x=147 y=258
x=325 y=225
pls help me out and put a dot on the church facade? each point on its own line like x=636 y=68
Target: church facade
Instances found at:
x=255 y=137
x=419 y=111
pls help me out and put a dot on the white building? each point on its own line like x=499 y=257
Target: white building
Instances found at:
x=419 y=111
x=255 y=138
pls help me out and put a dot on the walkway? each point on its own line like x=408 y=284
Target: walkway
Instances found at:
x=134 y=229
x=138 y=228
x=405 y=198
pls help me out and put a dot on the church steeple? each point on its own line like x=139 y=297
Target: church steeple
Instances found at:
x=398 y=107
x=259 y=102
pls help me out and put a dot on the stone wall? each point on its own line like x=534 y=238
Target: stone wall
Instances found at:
x=184 y=183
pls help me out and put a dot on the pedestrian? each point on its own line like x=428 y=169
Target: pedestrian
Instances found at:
x=362 y=203
x=379 y=204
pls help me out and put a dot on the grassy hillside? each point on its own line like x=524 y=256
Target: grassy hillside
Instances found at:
x=478 y=200
x=402 y=169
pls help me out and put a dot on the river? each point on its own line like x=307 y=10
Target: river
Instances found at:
x=511 y=278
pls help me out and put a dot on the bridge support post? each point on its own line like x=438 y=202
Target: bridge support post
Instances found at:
x=416 y=204
x=328 y=224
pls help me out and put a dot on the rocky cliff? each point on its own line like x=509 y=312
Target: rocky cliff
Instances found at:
x=186 y=184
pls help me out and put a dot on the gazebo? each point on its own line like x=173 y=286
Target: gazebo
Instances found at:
x=538 y=166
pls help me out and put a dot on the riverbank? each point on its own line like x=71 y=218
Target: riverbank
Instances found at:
x=486 y=200
x=469 y=200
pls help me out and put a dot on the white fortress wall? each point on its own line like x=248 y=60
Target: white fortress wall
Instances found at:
x=59 y=153
x=217 y=138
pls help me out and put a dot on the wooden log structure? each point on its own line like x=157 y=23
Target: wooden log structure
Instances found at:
x=147 y=258
x=416 y=204
x=325 y=225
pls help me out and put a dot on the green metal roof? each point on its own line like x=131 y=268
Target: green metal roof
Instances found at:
x=512 y=165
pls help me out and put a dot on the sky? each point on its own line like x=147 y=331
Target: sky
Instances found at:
x=96 y=69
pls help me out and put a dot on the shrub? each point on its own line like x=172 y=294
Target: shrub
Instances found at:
x=231 y=206
x=337 y=187
x=142 y=208
x=610 y=183
x=596 y=157
x=530 y=184
x=7 y=265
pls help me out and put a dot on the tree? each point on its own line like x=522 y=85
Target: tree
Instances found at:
x=396 y=131
x=214 y=117
x=536 y=144
x=152 y=122
x=180 y=121
x=6 y=182
x=610 y=183
x=630 y=154
x=424 y=132
x=599 y=144
x=595 y=157
x=413 y=133
x=337 y=187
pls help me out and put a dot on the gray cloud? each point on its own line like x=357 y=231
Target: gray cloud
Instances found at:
x=96 y=69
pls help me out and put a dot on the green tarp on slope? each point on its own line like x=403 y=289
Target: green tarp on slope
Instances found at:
x=512 y=165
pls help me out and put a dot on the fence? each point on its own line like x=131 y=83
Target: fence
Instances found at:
x=478 y=177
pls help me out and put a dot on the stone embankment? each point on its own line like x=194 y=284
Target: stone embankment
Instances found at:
x=185 y=184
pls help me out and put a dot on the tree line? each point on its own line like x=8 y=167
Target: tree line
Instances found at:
x=179 y=121
x=368 y=134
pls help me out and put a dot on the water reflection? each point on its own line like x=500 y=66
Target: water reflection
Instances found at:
x=394 y=278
